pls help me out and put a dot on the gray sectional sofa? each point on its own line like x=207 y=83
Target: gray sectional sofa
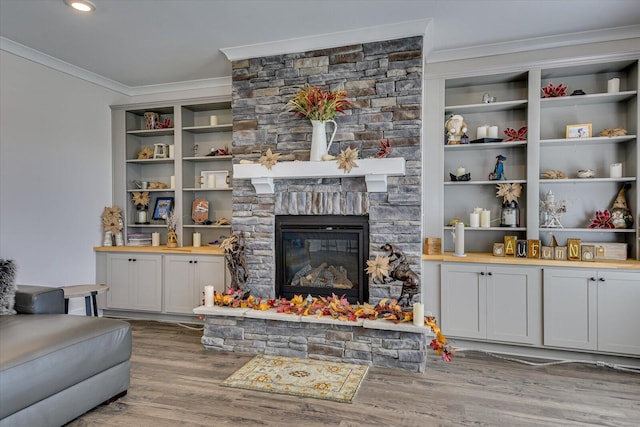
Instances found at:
x=55 y=367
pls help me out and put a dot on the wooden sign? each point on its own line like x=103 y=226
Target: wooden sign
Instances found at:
x=560 y=253
x=546 y=252
x=432 y=246
x=510 y=245
x=534 y=249
x=522 y=247
x=573 y=247
x=498 y=249
x=200 y=211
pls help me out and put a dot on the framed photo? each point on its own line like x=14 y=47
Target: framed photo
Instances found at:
x=164 y=205
x=579 y=131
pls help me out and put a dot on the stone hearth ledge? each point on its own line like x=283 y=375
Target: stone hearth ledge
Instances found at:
x=375 y=172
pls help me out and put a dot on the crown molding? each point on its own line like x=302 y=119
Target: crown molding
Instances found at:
x=56 y=64
x=91 y=77
x=547 y=42
x=331 y=40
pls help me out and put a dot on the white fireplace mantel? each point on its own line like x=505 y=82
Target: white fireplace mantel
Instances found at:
x=375 y=172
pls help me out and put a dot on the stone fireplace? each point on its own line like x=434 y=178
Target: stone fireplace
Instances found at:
x=383 y=80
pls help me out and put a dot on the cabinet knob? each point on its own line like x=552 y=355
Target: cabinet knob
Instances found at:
x=602 y=279
x=482 y=273
x=190 y=262
x=489 y=274
x=195 y=262
x=129 y=259
x=592 y=279
x=134 y=260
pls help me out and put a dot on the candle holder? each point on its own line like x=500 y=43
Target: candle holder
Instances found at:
x=510 y=216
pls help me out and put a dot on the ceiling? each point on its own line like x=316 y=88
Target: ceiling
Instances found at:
x=153 y=42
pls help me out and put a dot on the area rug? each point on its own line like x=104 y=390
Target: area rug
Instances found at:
x=300 y=377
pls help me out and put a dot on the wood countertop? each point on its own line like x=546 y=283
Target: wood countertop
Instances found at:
x=162 y=249
x=488 y=258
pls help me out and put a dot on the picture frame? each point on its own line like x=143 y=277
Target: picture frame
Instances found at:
x=164 y=205
x=582 y=130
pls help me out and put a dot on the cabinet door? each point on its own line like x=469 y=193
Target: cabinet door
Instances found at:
x=570 y=308
x=178 y=284
x=619 y=312
x=146 y=284
x=514 y=304
x=463 y=300
x=208 y=271
x=118 y=280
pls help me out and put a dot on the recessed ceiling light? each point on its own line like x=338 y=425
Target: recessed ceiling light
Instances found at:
x=81 y=5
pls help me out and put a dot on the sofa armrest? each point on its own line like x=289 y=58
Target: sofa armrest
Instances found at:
x=39 y=300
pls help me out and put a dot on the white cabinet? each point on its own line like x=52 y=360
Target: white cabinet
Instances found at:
x=135 y=281
x=500 y=303
x=185 y=279
x=592 y=310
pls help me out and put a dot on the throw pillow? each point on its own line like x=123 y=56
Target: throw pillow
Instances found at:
x=7 y=286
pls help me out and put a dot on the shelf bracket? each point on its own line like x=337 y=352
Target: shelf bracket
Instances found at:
x=376 y=183
x=263 y=185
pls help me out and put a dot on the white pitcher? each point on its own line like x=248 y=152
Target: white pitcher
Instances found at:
x=319 y=146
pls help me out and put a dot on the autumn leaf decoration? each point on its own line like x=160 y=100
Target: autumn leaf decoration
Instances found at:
x=602 y=219
x=385 y=149
x=347 y=159
x=553 y=91
x=140 y=199
x=145 y=153
x=111 y=219
x=516 y=135
x=269 y=159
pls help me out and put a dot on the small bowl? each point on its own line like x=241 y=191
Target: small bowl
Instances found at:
x=465 y=177
x=586 y=173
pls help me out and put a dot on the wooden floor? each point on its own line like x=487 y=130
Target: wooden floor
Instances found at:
x=175 y=382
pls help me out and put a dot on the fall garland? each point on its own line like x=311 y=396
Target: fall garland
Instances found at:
x=337 y=308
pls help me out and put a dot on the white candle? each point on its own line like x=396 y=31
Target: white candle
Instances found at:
x=155 y=239
x=173 y=182
x=474 y=220
x=458 y=243
x=477 y=210
x=613 y=85
x=213 y=120
x=615 y=170
x=418 y=314
x=482 y=132
x=172 y=151
x=460 y=171
x=208 y=296
x=485 y=218
x=493 y=131
x=197 y=240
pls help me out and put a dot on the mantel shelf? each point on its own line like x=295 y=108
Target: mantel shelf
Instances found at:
x=375 y=172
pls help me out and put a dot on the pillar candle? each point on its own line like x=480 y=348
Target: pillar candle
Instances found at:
x=460 y=171
x=208 y=296
x=418 y=314
x=213 y=120
x=474 y=220
x=155 y=239
x=173 y=182
x=615 y=170
x=458 y=241
x=485 y=218
x=197 y=240
x=493 y=131
x=477 y=210
x=613 y=85
x=482 y=132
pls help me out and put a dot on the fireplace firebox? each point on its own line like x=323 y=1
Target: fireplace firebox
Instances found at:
x=322 y=254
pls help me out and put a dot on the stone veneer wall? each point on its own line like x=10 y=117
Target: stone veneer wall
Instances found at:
x=384 y=82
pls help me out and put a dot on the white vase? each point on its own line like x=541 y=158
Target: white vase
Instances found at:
x=319 y=145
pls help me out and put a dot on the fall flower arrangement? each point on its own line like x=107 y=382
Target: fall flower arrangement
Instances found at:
x=317 y=104
x=337 y=307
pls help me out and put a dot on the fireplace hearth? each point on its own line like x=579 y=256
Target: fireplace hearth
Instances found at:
x=319 y=255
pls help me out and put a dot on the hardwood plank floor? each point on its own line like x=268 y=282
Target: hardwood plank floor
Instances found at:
x=175 y=382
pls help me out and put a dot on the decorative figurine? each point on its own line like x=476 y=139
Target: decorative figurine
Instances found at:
x=498 y=170
x=620 y=213
x=454 y=128
x=400 y=270
x=551 y=211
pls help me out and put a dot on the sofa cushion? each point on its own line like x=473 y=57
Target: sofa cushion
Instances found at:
x=7 y=286
x=43 y=354
x=39 y=300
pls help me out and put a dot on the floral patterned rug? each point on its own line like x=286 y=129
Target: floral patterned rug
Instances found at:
x=300 y=377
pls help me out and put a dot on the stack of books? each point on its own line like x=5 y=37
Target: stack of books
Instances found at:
x=139 y=239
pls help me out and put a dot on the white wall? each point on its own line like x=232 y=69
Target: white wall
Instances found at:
x=55 y=171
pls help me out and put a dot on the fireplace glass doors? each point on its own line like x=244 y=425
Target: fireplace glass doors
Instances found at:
x=322 y=254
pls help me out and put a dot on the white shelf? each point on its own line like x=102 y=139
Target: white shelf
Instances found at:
x=206 y=158
x=151 y=132
x=206 y=226
x=588 y=230
x=207 y=189
x=486 y=146
x=508 y=181
x=587 y=180
x=486 y=108
x=596 y=98
x=147 y=225
x=596 y=140
x=208 y=129
x=375 y=172
x=447 y=227
x=154 y=190
x=147 y=161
